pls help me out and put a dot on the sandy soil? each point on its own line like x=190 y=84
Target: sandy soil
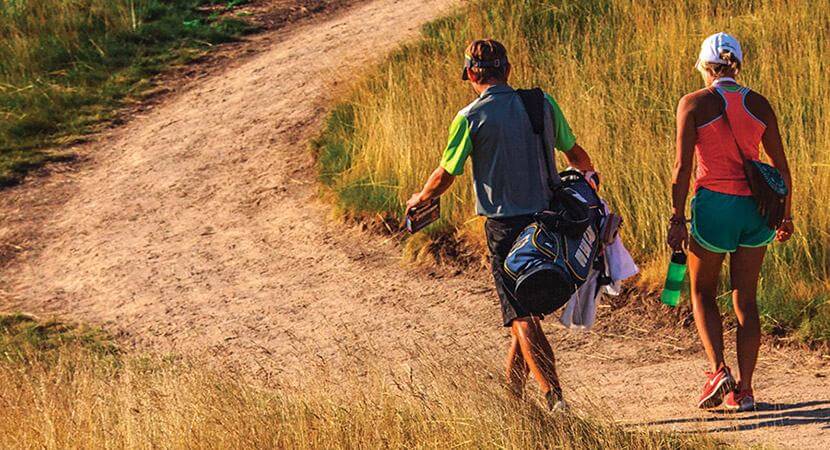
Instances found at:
x=196 y=228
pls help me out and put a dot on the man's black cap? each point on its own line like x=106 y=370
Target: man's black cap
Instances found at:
x=470 y=63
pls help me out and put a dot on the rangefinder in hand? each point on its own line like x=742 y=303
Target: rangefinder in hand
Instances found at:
x=419 y=217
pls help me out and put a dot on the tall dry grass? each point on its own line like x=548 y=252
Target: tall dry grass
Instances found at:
x=617 y=68
x=69 y=387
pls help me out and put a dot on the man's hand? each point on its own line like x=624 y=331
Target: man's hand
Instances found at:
x=437 y=184
x=413 y=202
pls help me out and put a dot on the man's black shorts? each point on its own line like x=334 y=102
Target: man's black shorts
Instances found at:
x=501 y=233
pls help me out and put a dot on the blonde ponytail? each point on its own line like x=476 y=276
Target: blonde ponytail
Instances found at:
x=731 y=68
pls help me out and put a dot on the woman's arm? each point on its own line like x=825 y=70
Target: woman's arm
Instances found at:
x=774 y=148
x=685 y=144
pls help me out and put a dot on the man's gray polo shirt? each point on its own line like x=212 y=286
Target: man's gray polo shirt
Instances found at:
x=507 y=161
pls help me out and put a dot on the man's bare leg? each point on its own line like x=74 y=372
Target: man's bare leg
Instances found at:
x=517 y=369
x=537 y=353
x=547 y=350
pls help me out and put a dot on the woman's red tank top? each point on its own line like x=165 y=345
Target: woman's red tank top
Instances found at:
x=719 y=166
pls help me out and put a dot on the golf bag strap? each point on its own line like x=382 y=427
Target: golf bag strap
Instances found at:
x=542 y=122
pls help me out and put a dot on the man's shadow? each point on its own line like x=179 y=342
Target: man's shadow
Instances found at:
x=765 y=415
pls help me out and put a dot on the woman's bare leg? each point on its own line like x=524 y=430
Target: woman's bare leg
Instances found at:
x=744 y=269
x=704 y=272
x=517 y=369
x=537 y=353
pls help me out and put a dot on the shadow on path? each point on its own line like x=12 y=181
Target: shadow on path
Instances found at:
x=766 y=415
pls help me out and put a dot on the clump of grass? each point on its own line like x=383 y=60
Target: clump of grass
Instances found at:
x=618 y=68
x=22 y=336
x=70 y=393
x=66 y=65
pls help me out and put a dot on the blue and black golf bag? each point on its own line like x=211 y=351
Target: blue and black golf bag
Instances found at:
x=553 y=256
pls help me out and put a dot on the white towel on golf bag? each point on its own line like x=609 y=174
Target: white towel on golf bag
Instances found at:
x=619 y=263
x=581 y=310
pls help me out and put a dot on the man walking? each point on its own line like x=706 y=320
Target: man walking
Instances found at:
x=510 y=185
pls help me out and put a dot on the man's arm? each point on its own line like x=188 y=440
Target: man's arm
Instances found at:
x=438 y=182
x=566 y=141
x=578 y=158
x=459 y=146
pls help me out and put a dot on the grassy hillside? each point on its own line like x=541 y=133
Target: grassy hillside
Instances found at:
x=69 y=387
x=617 y=68
x=66 y=65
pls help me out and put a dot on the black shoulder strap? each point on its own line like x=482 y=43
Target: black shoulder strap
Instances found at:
x=533 y=100
x=534 y=103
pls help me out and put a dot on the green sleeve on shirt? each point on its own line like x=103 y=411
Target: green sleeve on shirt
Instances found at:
x=565 y=139
x=459 y=146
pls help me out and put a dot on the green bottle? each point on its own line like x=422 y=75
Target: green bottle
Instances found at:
x=674 y=279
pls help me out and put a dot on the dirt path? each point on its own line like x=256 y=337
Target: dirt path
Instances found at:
x=196 y=228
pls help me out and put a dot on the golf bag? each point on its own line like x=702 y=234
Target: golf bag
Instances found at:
x=553 y=256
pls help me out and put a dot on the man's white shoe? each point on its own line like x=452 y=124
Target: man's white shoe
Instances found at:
x=555 y=401
x=559 y=406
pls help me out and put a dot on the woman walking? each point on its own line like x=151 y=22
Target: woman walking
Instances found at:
x=725 y=217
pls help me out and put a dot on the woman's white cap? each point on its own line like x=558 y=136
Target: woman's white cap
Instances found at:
x=716 y=44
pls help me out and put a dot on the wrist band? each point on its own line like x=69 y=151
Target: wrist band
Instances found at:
x=677 y=220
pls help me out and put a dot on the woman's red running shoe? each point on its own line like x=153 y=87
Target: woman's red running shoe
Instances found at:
x=717 y=385
x=740 y=401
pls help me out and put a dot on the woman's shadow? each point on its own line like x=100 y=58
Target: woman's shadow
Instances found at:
x=765 y=415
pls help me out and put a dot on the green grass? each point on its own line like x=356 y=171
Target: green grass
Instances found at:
x=68 y=386
x=23 y=336
x=68 y=65
x=617 y=68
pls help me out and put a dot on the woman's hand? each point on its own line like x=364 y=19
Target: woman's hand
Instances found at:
x=785 y=231
x=678 y=237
